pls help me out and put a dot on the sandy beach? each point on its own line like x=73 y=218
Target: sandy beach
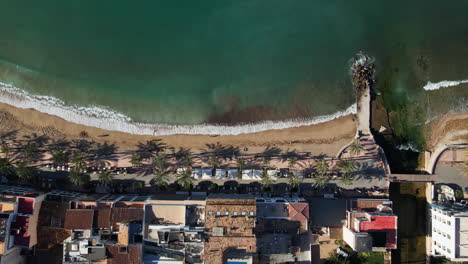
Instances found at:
x=448 y=129
x=324 y=138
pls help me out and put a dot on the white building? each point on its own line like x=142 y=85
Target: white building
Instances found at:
x=450 y=231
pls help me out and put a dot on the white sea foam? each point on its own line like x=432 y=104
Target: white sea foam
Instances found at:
x=436 y=86
x=101 y=117
x=409 y=146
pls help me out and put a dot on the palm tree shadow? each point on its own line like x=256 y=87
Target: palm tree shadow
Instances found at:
x=105 y=154
x=9 y=135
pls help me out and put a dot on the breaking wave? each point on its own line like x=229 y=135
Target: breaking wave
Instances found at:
x=104 y=118
x=436 y=86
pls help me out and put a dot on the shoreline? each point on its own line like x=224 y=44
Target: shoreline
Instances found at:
x=100 y=117
x=323 y=138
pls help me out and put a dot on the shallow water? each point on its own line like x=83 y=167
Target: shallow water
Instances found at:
x=197 y=62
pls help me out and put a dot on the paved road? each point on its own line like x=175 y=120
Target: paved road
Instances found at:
x=452 y=174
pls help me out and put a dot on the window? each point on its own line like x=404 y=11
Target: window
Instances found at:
x=251 y=213
x=226 y=213
x=122 y=250
x=448 y=250
x=448 y=223
x=234 y=214
x=243 y=213
x=210 y=213
x=448 y=236
x=218 y=213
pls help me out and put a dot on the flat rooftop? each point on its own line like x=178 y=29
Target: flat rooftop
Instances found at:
x=458 y=210
x=273 y=210
x=235 y=217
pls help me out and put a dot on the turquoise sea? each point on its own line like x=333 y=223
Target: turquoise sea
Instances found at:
x=229 y=62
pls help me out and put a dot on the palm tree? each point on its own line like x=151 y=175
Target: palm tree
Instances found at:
x=5 y=150
x=240 y=162
x=187 y=160
x=160 y=179
x=6 y=168
x=160 y=162
x=292 y=162
x=213 y=161
x=135 y=160
x=59 y=157
x=321 y=166
x=294 y=180
x=185 y=179
x=79 y=159
x=320 y=181
x=105 y=177
x=30 y=152
x=24 y=172
x=356 y=147
x=347 y=179
x=266 y=180
x=266 y=161
x=77 y=177
x=346 y=166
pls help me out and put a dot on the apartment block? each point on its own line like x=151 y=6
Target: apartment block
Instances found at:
x=449 y=232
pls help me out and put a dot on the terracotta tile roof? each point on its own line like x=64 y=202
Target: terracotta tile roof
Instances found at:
x=118 y=254
x=79 y=219
x=103 y=218
x=49 y=236
x=217 y=247
x=125 y=215
x=299 y=212
x=52 y=210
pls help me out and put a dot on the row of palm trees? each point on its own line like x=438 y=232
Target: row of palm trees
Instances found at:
x=321 y=175
x=151 y=157
x=20 y=156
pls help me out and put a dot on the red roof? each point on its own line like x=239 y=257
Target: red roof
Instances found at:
x=22 y=237
x=25 y=205
x=387 y=224
x=299 y=212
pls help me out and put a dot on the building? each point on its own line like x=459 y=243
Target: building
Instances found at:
x=450 y=231
x=19 y=212
x=370 y=225
x=105 y=229
x=229 y=225
x=282 y=230
x=174 y=229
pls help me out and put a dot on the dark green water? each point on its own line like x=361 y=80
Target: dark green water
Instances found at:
x=191 y=62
